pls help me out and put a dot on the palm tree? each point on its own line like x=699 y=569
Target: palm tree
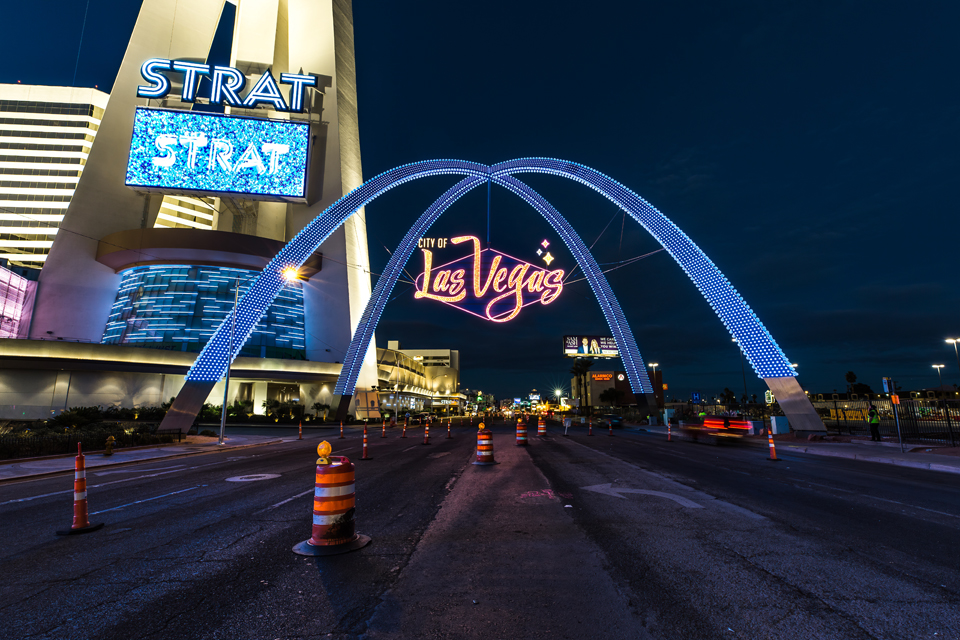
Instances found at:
x=580 y=368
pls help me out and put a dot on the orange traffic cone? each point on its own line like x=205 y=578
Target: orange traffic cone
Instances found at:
x=80 y=522
x=341 y=428
x=365 y=456
x=773 y=449
x=300 y=429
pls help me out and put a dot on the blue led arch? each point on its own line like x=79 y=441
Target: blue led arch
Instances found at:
x=629 y=354
x=761 y=350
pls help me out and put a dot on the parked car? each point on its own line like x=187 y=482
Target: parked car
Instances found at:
x=610 y=420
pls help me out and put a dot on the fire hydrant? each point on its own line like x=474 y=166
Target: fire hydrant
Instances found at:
x=110 y=442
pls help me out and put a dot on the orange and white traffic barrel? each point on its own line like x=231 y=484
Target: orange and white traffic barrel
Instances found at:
x=80 y=522
x=484 y=447
x=521 y=433
x=334 y=505
x=541 y=426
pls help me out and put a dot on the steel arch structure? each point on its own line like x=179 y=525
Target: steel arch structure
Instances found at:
x=627 y=345
x=763 y=353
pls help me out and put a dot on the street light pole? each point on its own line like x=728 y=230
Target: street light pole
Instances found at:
x=226 y=377
x=954 y=342
x=743 y=370
x=939 y=375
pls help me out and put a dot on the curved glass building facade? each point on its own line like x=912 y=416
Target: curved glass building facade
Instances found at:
x=178 y=307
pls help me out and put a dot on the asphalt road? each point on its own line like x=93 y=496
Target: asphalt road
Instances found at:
x=706 y=542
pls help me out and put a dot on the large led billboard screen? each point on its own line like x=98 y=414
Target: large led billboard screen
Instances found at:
x=590 y=347
x=208 y=153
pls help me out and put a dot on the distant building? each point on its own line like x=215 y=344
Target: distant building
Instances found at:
x=597 y=383
x=420 y=380
x=45 y=138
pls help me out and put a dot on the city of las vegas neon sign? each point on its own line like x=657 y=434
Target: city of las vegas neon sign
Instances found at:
x=487 y=283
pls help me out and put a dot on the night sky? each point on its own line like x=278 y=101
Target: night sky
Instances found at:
x=809 y=148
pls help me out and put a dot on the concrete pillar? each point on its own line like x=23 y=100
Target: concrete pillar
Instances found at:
x=61 y=391
x=259 y=396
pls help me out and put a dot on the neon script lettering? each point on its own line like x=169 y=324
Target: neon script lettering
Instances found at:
x=497 y=288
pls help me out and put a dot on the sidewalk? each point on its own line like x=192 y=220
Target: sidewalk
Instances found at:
x=914 y=456
x=21 y=468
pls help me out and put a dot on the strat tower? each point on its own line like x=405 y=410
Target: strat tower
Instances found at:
x=203 y=165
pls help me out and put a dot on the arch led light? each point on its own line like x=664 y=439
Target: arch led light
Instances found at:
x=759 y=347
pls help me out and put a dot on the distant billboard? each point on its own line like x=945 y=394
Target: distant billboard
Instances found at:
x=207 y=153
x=590 y=347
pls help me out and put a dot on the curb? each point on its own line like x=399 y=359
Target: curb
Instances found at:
x=52 y=474
x=930 y=466
x=57 y=456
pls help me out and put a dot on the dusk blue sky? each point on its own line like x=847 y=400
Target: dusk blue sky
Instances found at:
x=809 y=148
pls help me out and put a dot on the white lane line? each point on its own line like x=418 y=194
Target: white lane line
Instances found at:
x=864 y=495
x=283 y=502
x=173 y=493
x=106 y=484
x=409 y=448
x=107 y=473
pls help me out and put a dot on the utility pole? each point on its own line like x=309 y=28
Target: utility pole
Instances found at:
x=226 y=377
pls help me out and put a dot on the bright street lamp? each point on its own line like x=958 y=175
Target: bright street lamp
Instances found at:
x=939 y=375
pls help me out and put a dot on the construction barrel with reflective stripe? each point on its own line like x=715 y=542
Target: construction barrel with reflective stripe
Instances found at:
x=334 y=506
x=484 y=447
x=521 y=433
x=541 y=426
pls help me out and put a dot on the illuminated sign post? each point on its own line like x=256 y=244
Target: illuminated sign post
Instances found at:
x=183 y=151
x=488 y=284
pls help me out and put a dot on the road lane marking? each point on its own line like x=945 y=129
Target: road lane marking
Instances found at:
x=409 y=448
x=172 y=493
x=865 y=495
x=283 y=502
x=610 y=490
x=107 y=473
x=106 y=484
x=254 y=477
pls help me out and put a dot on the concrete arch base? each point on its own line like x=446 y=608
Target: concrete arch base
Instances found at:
x=795 y=405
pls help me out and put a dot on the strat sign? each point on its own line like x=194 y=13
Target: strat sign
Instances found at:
x=226 y=83
x=487 y=283
x=188 y=151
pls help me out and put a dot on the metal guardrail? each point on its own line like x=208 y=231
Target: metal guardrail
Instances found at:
x=921 y=421
x=45 y=445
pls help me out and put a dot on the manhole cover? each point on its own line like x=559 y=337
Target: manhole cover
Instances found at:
x=254 y=477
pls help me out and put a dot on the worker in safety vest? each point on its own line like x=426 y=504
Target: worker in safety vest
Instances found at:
x=873 y=417
x=702 y=416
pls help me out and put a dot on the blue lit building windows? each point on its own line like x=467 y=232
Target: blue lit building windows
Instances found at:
x=179 y=307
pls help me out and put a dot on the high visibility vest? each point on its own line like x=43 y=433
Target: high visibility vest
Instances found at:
x=874 y=416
